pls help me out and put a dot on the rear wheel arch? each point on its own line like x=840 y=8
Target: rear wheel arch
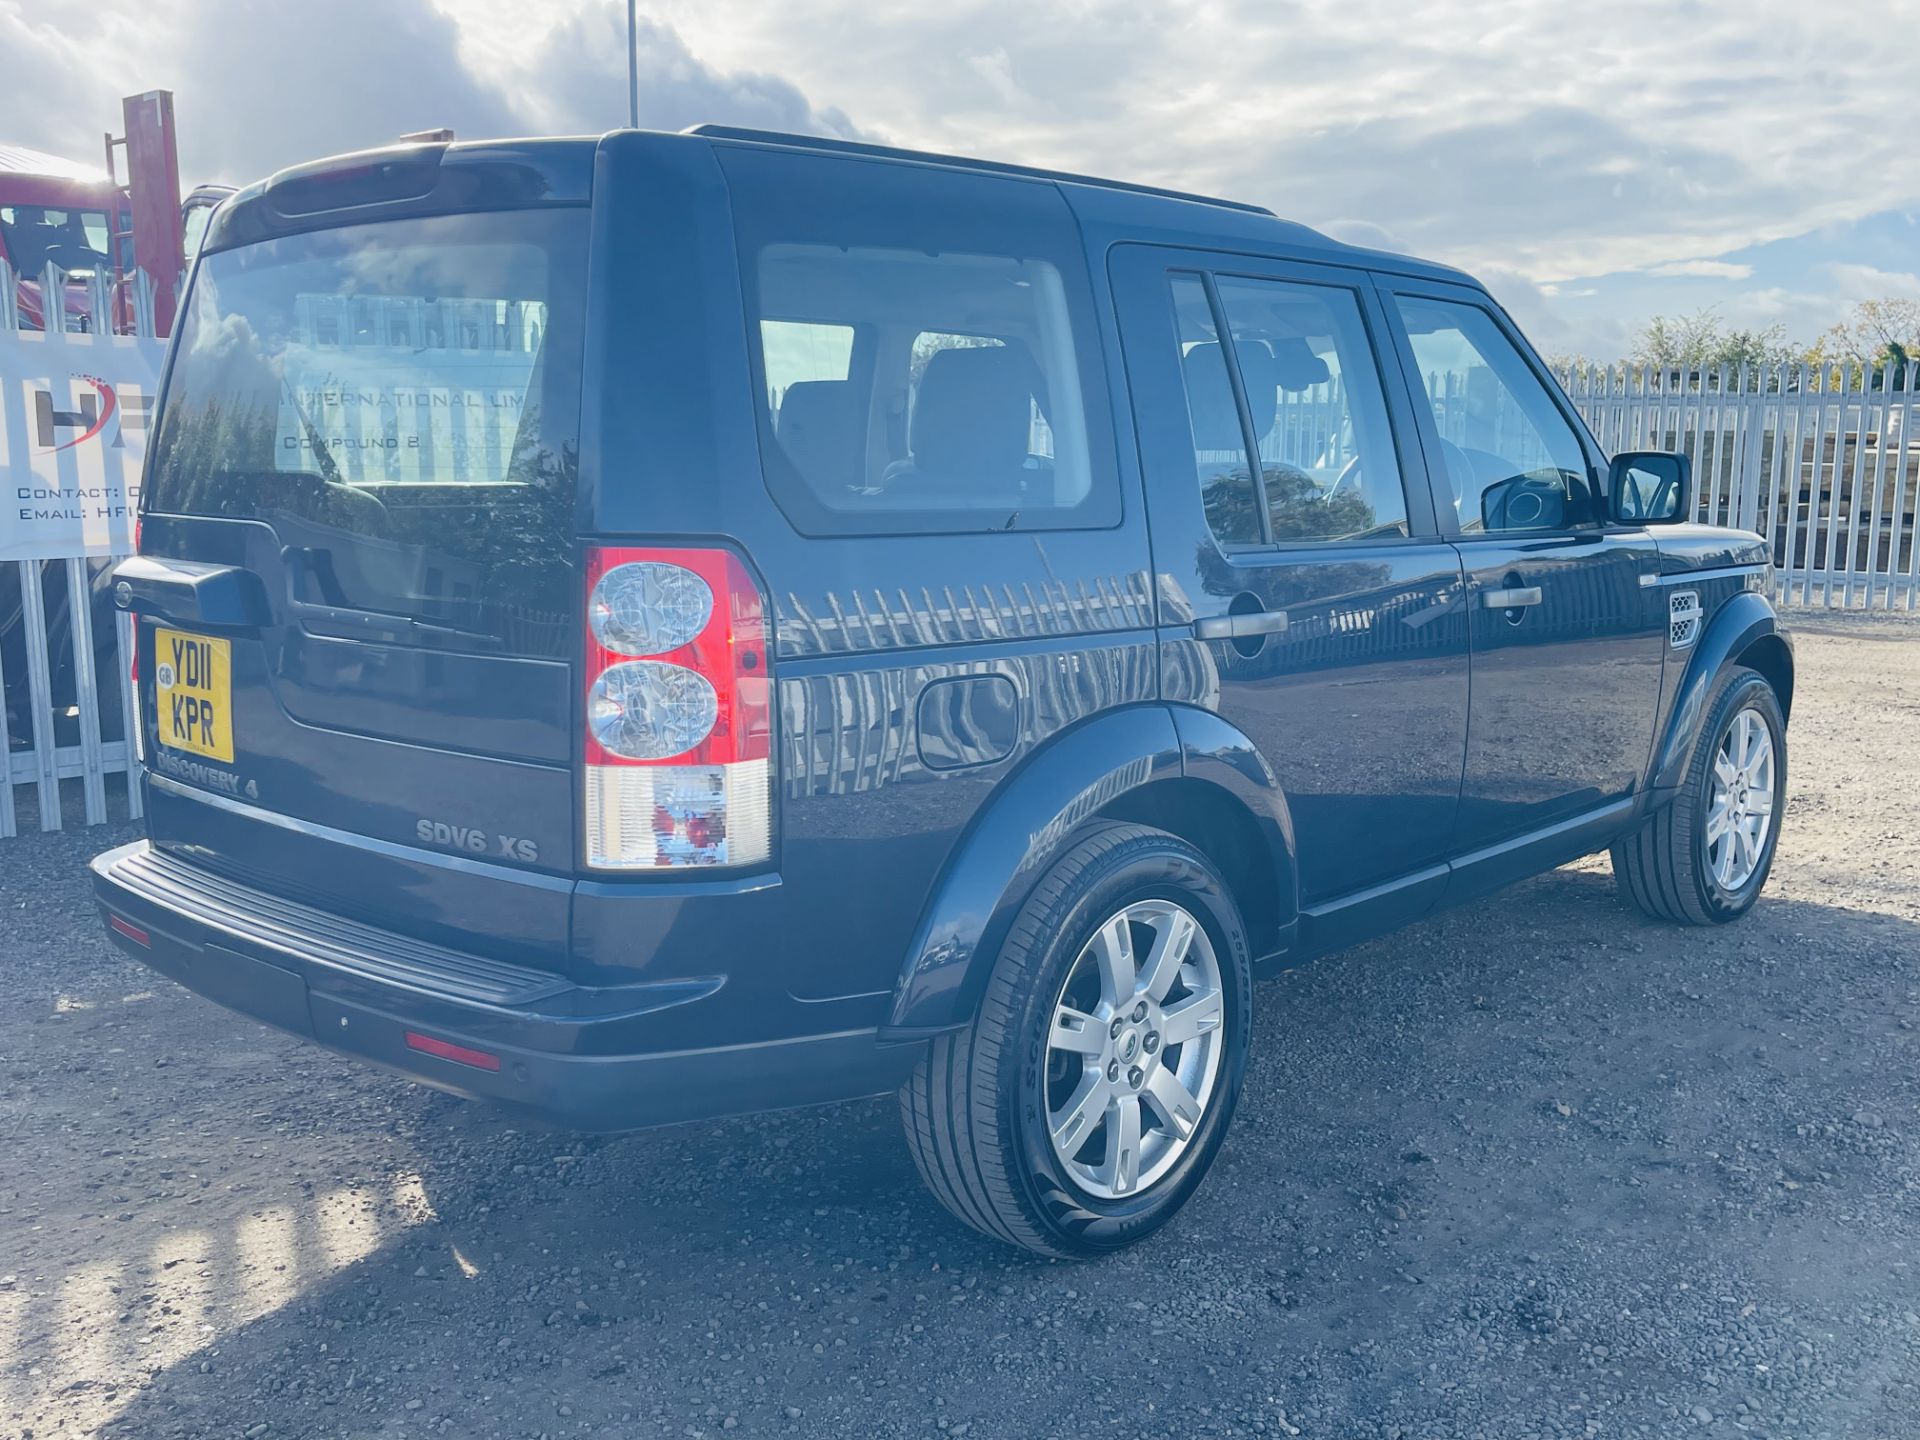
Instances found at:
x=1220 y=826
x=1174 y=768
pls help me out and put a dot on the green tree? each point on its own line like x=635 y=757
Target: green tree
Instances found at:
x=1876 y=341
x=1702 y=341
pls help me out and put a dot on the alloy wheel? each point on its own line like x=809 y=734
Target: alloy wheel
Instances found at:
x=1740 y=803
x=1134 y=1049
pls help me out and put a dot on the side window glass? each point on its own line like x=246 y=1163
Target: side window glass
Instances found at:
x=1219 y=440
x=1511 y=460
x=1327 y=465
x=986 y=427
x=953 y=378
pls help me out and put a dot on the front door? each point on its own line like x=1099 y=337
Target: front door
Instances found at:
x=1307 y=598
x=1567 y=642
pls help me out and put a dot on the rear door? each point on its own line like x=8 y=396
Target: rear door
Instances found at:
x=368 y=438
x=1307 y=595
x=1567 y=642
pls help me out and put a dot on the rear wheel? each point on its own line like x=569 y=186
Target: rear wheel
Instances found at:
x=1083 y=1105
x=1703 y=859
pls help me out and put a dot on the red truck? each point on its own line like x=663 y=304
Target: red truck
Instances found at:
x=97 y=231
x=57 y=212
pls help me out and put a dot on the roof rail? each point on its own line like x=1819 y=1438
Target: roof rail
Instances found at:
x=929 y=157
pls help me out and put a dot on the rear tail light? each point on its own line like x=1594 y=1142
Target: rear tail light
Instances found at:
x=678 y=711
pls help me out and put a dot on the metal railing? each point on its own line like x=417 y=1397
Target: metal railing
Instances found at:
x=1822 y=461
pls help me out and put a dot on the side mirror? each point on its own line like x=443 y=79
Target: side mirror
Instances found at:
x=1650 y=487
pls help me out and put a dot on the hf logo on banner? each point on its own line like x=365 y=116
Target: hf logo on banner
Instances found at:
x=56 y=429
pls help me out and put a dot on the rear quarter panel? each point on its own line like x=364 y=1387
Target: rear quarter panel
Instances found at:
x=863 y=626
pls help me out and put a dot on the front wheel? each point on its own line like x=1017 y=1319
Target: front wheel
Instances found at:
x=1703 y=859
x=1086 y=1101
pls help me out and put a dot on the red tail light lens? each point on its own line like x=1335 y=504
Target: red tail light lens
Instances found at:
x=677 y=710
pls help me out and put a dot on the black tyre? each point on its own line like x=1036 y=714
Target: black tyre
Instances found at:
x=1086 y=1101
x=1703 y=859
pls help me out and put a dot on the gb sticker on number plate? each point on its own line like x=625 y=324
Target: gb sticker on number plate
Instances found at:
x=1683 y=615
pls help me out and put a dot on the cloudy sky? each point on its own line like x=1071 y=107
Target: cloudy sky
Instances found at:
x=1596 y=163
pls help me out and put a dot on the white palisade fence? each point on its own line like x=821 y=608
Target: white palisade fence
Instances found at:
x=1822 y=461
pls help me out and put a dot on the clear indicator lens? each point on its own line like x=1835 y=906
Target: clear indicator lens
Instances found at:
x=648 y=607
x=658 y=817
x=649 y=710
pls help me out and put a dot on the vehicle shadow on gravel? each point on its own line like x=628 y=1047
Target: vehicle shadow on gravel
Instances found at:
x=1540 y=1166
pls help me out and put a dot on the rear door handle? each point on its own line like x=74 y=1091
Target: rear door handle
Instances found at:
x=1511 y=598
x=192 y=592
x=1234 y=627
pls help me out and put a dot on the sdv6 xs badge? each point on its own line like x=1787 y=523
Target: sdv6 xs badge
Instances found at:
x=475 y=841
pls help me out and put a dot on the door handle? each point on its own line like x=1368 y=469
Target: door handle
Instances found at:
x=1235 y=627
x=1511 y=598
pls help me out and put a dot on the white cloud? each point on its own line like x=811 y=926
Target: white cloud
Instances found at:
x=258 y=87
x=1479 y=131
x=1865 y=282
x=1530 y=143
x=1704 y=269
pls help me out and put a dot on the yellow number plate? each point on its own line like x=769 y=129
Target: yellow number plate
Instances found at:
x=193 y=688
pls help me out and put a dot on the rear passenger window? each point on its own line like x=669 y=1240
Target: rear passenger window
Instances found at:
x=1327 y=462
x=988 y=421
x=926 y=353
x=1315 y=414
x=1227 y=489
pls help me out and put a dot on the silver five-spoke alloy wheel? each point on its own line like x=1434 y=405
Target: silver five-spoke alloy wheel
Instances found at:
x=1740 y=806
x=1134 y=1049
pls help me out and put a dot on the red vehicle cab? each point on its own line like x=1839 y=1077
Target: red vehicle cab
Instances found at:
x=59 y=212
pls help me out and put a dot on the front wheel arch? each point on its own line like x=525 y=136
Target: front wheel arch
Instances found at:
x=1772 y=657
x=1747 y=623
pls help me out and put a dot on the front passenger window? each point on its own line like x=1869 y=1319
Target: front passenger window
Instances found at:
x=1511 y=459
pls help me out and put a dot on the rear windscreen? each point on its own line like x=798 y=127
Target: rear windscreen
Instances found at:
x=400 y=402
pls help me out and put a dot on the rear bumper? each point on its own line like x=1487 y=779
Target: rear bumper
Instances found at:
x=543 y=1046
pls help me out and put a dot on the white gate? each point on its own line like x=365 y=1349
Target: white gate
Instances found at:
x=66 y=711
x=1824 y=462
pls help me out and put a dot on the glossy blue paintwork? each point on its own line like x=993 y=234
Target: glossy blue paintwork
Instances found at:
x=952 y=708
x=1018 y=830
x=1564 y=692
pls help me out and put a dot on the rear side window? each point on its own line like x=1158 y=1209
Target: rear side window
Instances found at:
x=924 y=349
x=400 y=403
x=1327 y=469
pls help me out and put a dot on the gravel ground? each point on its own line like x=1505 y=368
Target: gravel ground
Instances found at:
x=1541 y=1169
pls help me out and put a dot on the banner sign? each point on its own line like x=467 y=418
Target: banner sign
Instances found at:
x=74 y=414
